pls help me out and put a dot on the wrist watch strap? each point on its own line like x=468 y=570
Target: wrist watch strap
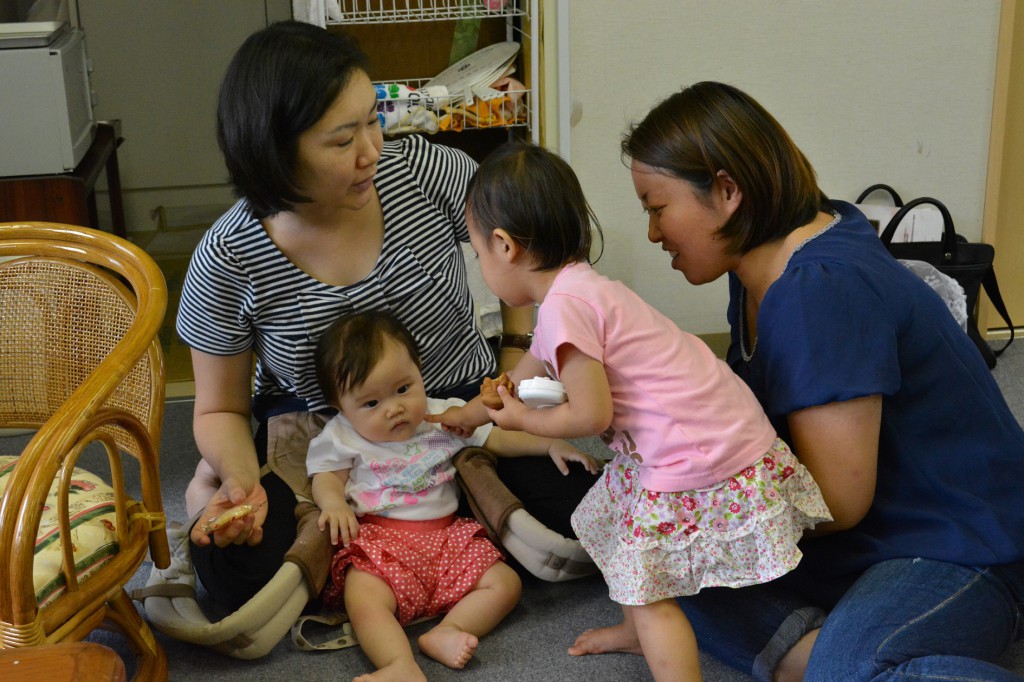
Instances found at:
x=520 y=341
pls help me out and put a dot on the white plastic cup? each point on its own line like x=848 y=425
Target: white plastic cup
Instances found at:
x=541 y=392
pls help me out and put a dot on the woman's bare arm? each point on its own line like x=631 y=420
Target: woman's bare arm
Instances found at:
x=514 y=322
x=223 y=433
x=838 y=443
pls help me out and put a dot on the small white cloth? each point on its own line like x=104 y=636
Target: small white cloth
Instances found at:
x=486 y=304
x=316 y=12
x=948 y=289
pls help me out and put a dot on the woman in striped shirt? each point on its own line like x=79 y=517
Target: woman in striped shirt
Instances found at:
x=331 y=220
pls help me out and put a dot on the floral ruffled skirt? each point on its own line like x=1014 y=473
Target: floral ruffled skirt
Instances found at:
x=658 y=545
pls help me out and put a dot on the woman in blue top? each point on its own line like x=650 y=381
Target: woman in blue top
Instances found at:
x=882 y=395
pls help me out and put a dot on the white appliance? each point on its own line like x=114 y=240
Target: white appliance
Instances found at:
x=46 y=117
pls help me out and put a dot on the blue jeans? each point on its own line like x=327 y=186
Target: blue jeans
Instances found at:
x=903 y=619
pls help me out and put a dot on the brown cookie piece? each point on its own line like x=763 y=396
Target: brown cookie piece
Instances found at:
x=489 y=390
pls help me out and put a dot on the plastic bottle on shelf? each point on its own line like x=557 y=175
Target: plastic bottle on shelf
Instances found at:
x=402 y=108
x=434 y=97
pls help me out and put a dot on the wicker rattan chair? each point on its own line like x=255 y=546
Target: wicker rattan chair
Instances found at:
x=81 y=366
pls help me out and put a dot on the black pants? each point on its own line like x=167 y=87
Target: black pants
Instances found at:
x=233 y=574
x=549 y=496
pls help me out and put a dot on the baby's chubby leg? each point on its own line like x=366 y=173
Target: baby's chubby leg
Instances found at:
x=454 y=640
x=370 y=604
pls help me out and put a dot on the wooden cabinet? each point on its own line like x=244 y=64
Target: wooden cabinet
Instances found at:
x=69 y=197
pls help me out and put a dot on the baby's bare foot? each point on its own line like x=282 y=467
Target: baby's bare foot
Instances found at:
x=399 y=671
x=614 y=639
x=449 y=645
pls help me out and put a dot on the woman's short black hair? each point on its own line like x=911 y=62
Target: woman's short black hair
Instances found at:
x=708 y=127
x=350 y=348
x=535 y=196
x=280 y=82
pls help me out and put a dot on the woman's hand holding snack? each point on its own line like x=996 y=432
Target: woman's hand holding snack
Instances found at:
x=232 y=516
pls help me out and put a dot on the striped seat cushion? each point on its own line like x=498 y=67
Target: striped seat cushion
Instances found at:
x=93 y=536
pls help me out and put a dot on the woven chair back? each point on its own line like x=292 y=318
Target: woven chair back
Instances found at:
x=58 y=320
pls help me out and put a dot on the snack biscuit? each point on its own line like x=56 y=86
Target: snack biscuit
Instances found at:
x=489 y=390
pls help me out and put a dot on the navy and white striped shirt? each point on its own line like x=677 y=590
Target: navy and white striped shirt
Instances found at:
x=241 y=292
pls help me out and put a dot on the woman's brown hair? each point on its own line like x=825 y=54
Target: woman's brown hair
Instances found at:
x=709 y=127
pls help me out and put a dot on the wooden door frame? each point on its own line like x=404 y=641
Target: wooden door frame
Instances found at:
x=992 y=220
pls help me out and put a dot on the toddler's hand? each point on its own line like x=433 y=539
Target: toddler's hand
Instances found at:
x=513 y=412
x=453 y=420
x=562 y=452
x=489 y=391
x=342 y=523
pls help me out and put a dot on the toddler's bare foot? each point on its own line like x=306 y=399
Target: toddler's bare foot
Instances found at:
x=398 y=671
x=448 y=645
x=615 y=639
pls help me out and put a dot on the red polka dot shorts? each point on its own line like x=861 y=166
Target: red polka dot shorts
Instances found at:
x=430 y=565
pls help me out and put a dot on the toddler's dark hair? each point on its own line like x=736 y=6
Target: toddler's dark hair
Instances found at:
x=351 y=347
x=535 y=196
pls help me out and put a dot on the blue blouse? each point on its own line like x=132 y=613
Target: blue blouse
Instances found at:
x=847 y=320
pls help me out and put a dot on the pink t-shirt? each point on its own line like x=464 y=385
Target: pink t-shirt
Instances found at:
x=679 y=411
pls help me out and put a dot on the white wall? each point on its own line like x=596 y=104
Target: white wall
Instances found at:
x=157 y=66
x=872 y=91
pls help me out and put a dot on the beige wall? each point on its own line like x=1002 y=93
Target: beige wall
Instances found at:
x=157 y=65
x=872 y=91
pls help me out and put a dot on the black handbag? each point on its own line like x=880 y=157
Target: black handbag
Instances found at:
x=881 y=187
x=968 y=263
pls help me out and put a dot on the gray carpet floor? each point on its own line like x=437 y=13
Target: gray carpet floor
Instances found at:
x=529 y=645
